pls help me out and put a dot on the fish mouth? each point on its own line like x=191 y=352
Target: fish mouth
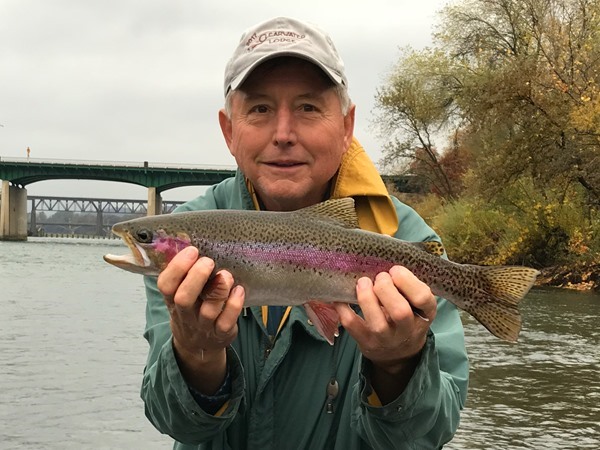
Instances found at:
x=137 y=261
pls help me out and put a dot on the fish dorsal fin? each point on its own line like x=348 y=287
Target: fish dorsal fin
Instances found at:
x=433 y=247
x=339 y=211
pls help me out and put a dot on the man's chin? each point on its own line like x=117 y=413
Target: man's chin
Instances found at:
x=289 y=199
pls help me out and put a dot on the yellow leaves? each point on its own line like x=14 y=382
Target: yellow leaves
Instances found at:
x=578 y=243
x=561 y=86
x=585 y=117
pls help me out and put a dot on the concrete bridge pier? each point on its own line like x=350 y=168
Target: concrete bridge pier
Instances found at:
x=13 y=213
x=154 y=202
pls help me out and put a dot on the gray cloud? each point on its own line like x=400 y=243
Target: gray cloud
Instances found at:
x=139 y=80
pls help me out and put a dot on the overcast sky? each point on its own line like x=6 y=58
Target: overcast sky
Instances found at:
x=142 y=80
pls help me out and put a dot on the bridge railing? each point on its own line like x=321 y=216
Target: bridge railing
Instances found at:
x=136 y=164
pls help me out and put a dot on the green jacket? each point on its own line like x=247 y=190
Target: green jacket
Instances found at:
x=279 y=398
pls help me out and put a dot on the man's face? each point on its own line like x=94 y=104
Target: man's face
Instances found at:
x=287 y=133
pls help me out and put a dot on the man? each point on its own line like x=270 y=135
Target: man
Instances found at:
x=223 y=376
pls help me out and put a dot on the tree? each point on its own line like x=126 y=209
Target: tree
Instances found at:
x=510 y=93
x=415 y=107
x=531 y=88
x=519 y=78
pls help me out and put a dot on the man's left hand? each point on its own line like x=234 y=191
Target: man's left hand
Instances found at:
x=398 y=310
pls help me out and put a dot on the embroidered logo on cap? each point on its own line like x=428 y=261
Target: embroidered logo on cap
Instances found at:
x=273 y=37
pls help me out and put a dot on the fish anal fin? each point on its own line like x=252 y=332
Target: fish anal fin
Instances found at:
x=324 y=317
x=339 y=211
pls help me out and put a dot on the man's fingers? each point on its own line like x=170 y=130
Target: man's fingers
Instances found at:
x=170 y=278
x=352 y=322
x=214 y=297
x=227 y=320
x=218 y=288
x=370 y=301
x=419 y=295
x=192 y=285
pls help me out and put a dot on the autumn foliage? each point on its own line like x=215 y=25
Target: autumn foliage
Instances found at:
x=501 y=120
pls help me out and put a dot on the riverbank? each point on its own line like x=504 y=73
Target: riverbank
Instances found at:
x=581 y=277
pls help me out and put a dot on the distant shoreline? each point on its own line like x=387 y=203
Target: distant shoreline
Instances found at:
x=580 y=277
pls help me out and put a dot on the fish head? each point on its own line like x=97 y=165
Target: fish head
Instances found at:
x=152 y=245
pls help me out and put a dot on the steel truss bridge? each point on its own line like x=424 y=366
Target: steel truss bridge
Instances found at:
x=104 y=208
x=17 y=173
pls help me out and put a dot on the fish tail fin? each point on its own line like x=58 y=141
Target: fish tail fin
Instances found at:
x=495 y=304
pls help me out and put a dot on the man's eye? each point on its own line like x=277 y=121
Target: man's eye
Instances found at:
x=261 y=109
x=308 y=108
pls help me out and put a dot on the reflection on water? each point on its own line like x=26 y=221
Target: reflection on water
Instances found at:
x=72 y=354
x=543 y=392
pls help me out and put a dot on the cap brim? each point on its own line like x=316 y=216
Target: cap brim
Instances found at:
x=239 y=80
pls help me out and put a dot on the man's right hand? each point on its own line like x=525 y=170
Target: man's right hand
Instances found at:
x=204 y=315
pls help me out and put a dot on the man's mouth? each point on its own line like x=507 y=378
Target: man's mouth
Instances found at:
x=284 y=164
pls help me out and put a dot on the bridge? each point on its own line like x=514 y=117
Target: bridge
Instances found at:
x=17 y=173
x=104 y=211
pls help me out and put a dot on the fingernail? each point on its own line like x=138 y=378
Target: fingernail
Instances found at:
x=237 y=290
x=396 y=270
x=382 y=275
x=364 y=283
x=207 y=262
x=420 y=315
x=190 y=252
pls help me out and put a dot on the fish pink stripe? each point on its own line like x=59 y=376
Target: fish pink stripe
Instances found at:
x=303 y=256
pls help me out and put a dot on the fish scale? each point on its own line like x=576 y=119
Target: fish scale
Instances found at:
x=318 y=254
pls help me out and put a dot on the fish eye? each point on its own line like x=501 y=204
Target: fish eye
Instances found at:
x=144 y=235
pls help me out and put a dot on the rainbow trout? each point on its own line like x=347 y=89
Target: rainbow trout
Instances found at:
x=314 y=256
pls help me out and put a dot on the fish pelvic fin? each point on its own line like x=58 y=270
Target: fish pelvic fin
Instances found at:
x=496 y=305
x=339 y=211
x=325 y=318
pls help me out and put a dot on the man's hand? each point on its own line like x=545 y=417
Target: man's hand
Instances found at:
x=398 y=310
x=203 y=317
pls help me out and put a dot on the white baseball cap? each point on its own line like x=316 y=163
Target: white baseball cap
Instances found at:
x=283 y=36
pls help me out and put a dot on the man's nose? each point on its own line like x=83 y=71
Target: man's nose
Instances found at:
x=285 y=129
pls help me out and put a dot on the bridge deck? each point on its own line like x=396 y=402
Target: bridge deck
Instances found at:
x=23 y=171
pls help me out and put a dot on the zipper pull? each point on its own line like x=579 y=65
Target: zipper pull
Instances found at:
x=332 y=391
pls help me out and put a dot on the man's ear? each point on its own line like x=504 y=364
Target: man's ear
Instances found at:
x=349 y=125
x=226 y=128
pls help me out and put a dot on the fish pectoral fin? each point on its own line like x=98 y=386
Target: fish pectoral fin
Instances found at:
x=325 y=318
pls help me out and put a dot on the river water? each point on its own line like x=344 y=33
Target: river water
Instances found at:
x=72 y=354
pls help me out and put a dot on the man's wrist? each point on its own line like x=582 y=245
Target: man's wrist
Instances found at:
x=389 y=379
x=202 y=370
x=213 y=403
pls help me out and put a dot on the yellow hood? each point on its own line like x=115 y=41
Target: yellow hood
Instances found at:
x=358 y=178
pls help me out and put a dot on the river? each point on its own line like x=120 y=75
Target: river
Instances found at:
x=72 y=354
